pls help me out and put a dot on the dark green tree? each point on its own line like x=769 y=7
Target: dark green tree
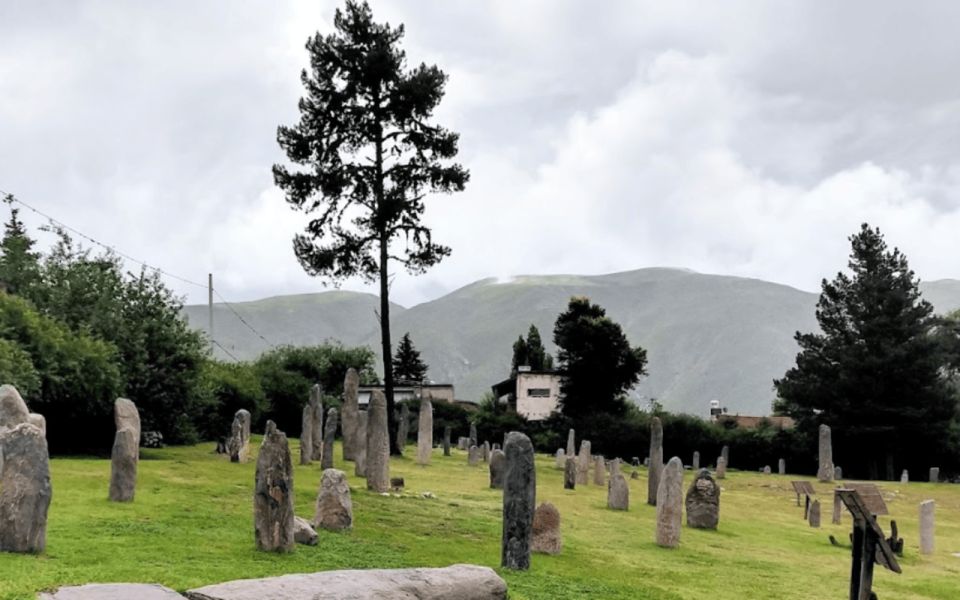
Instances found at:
x=369 y=156
x=874 y=372
x=407 y=365
x=596 y=362
x=519 y=355
x=537 y=357
x=19 y=263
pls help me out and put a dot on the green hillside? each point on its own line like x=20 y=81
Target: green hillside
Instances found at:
x=707 y=336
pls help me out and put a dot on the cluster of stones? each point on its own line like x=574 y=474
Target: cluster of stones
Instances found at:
x=25 y=489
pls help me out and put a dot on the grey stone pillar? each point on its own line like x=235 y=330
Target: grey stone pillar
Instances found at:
x=519 y=501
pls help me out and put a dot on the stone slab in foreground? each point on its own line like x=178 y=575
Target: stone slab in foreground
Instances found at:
x=113 y=591
x=459 y=582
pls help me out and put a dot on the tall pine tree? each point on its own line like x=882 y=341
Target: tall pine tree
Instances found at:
x=19 y=264
x=407 y=365
x=873 y=372
x=370 y=155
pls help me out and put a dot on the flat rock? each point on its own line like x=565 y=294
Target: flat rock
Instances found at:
x=303 y=532
x=113 y=591
x=458 y=582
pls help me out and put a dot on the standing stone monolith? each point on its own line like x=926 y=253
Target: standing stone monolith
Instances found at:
x=703 y=502
x=926 y=526
x=656 y=460
x=403 y=427
x=425 y=432
x=329 y=435
x=306 y=435
x=767 y=470
x=725 y=453
x=354 y=437
x=360 y=454
x=695 y=465
x=546 y=530
x=316 y=423
x=378 y=444
x=570 y=473
x=618 y=492
x=25 y=490
x=814 y=515
x=835 y=518
x=781 y=467
x=497 y=469
x=583 y=463
x=473 y=456
x=825 y=471
x=571 y=443
x=473 y=435
x=670 y=504
x=721 y=468
x=837 y=473
x=561 y=458
x=273 y=494
x=125 y=455
x=599 y=471
x=485 y=452
x=238 y=445
x=519 y=501
x=446 y=440
x=905 y=476
x=934 y=474
x=334 y=506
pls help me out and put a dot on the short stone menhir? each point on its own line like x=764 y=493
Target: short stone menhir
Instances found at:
x=519 y=501
x=334 y=511
x=238 y=444
x=546 y=530
x=498 y=463
x=670 y=504
x=618 y=492
x=25 y=489
x=703 y=502
x=125 y=456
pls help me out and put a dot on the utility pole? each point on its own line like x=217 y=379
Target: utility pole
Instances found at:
x=210 y=305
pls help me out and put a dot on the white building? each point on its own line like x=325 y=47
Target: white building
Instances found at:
x=532 y=394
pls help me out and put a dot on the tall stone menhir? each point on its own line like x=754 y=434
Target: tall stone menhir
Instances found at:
x=670 y=504
x=656 y=460
x=25 y=490
x=825 y=471
x=425 y=432
x=583 y=463
x=378 y=444
x=306 y=435
x=403 y=427
x=571 y=445
x=238 y=445
x=316 y=421
x=519 y=501
x=329 y=435
x=126 y=451
x=273 y=523
x=353 y=435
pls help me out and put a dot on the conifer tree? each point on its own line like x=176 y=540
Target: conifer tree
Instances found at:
x=19 y=264
x=407 y=365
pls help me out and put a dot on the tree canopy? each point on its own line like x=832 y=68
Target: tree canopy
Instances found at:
x=530 y=352
x=875 y=371
x=596 y=362
x=370 y=156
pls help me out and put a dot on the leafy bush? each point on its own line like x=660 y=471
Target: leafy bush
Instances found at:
x=222 y=390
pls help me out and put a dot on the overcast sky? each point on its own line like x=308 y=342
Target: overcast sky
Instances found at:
x=742 y=138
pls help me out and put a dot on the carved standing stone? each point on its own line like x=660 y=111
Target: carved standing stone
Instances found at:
x=125 y=455
x=703 y=502
x=583 y=463
x=446 y=441
x=497 y=469
x=239 y=443
x=519 y=501
x=25 y=490
x=546 y=530
x=570 y=473
x=378 y=444
x=618 y=492
x=273 y=494
x=316 y=422
x=813 y=516
x=670 y=504
x=782 y=467
x=306 y=435
x=825 y=471
x=425 y=432
x=354 y=437
x=561 y=458
x=599 y=471
x=927 y=526
x=695 y=465
x=334 y=506
x=656 y=460
x=360 y=456
x=329 y=435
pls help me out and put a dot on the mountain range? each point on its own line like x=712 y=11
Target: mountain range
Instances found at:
x=708 y=337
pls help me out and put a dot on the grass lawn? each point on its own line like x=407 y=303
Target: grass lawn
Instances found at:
x=191 y=525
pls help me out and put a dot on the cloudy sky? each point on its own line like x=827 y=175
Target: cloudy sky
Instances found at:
x=746 y=138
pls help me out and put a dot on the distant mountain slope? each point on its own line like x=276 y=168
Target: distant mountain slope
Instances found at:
x=301 y=319
x=707 y=336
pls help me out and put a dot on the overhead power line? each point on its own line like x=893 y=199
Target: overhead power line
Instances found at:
x=11 y=199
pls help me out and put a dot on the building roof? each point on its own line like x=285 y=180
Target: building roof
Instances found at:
x=749 y=422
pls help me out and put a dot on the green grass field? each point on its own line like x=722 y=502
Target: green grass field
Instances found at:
x=191 y=525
